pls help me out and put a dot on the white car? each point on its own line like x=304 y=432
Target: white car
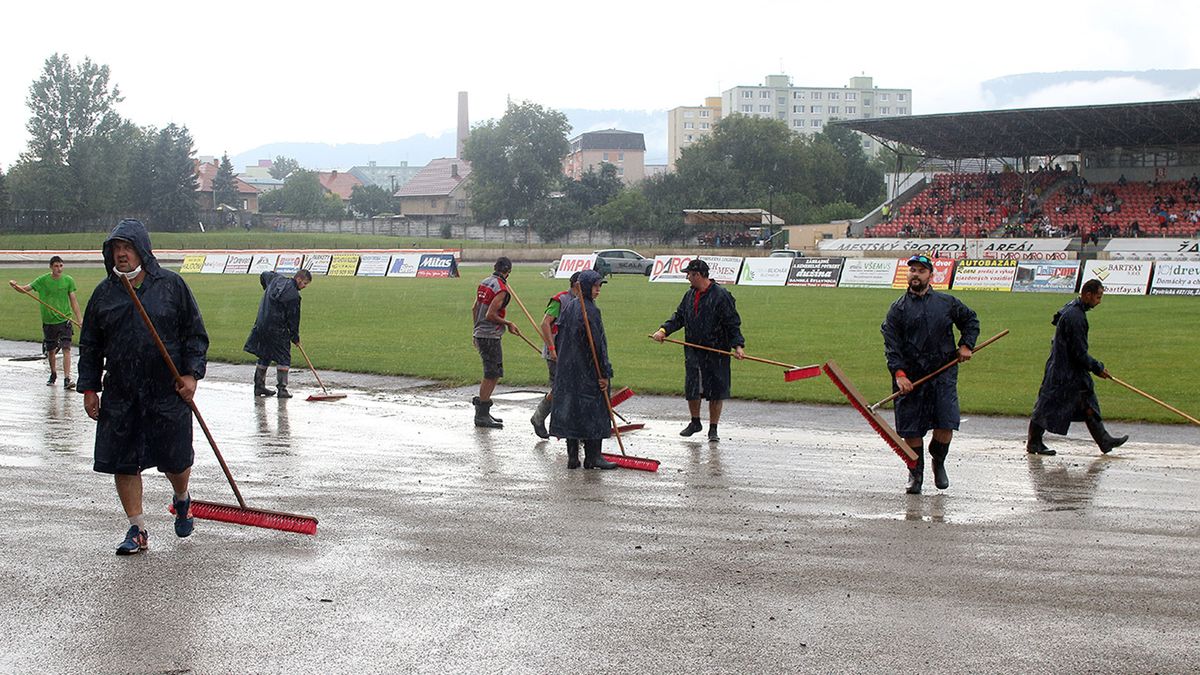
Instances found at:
x=786 y=253
x=624 y=261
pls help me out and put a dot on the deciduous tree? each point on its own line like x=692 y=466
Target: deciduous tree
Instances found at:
x=371 y=200
x=282 y=167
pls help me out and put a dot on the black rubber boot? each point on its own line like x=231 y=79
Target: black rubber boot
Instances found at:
x=592 y=458
x=260 y=382
x=916 y=476
x=693 y=427
x=539 y=420
x=475 y=400
x=482 y=418
x=281 y=378
x=938 y=451
x=1034 y=444
x=572 y=453
x=1106 y=442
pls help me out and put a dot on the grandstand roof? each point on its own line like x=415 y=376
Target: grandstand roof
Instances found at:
x=1033 y=132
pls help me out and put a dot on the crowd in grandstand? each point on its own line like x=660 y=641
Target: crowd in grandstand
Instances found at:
x=733 y=239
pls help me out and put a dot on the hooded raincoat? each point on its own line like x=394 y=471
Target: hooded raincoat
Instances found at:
x=578 y=408
x=710 y=319
x=278 y=323
x=918 y=338
x=1067 y=390
x=143 y=421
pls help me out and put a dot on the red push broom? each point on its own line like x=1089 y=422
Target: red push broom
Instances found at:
x=241 y=514
x=324 y=395
x=792 y=373
x=620 y=396
x=621 y=460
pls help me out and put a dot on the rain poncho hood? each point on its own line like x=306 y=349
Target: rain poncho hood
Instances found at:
x=134 y=232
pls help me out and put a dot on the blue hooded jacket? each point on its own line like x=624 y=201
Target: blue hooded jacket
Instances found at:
x=578 y=409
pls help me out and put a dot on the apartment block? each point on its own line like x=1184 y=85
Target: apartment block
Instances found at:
x=688 y=124
x=625 y=150
x=807 y=109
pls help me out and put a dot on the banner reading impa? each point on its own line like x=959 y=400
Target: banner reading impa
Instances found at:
x=1120 y=277
x=373 y=264
x=942 y=271
x=815 y=272
x=343 y=265
x=238 y=263
x=214 y=264
x=1046 y=277
x=192 y=264
x=572 y=263
x=289 y=263
x=404 y=265
x=868 y=273
x=985 y=275
x=669 y=268
x=765 y=271
x=318 y=263
x=263 y=262
x=1176 y=278
x=723 y=269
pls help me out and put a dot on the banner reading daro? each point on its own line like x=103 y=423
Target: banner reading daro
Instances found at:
x=985 y=275
x=238 y=263
x=214 y=264
x=942 y=271
x=434 y=265
x=318 y=263
x=192 y=264
x=404 y=265
x=1176 y=278
x=1046 y=277
x=723 y=269
x=373 y=264
x=815 y=272
x=289 y=263
x=670 y=268
x=765 y=271
x=572 y=263
x=263 y=262
x=343 y=265
x=1120 y=277
x=867 y=273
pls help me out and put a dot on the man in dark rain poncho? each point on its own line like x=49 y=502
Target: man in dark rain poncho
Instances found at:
x=579 y=411
x=1067 y=393
x=143 y=417
x=708 y=316
x=918 y=338
x=276 y=328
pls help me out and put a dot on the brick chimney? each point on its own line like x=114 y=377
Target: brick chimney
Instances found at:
x=454 y=171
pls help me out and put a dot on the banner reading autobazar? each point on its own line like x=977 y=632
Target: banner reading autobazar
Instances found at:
x=815 y=272
x=984 y=275
x=1176 y=278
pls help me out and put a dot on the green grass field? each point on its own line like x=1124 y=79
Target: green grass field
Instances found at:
x=421 y=327
x=236 y=239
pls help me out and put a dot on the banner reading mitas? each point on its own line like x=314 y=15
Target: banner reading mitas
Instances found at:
x=437 y=265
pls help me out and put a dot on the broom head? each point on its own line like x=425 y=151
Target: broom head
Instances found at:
x=325 y=397
x=621 y=395
x=274 y=520
x=881 y=427
x=801 y=373
x=625 y=428
x=629 y=462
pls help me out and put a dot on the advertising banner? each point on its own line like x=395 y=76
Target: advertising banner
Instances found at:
x=765 y=271
x=1046 y=277
x=985 y=275
x=723 y=269
x=263 y=262
x=1019 y=249
x=670 y=268
x=404 y=265
x=289 y=263
x=572 y=263
x=868 y=273
x=815 y=272
x=1176 y=278
x=943 y=269
x=975 y=249
x=192 y=264
x=434 y=265
x=1153 y=248
x=1120 y=277
x=343 y=265
x=318 y=263
x=373 y=264
x=214 y=264
x=238 y=263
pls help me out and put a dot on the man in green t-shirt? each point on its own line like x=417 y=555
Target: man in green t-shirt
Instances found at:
x=60 y=306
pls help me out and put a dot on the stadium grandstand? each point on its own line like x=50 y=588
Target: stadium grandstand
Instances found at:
x=1126 y=170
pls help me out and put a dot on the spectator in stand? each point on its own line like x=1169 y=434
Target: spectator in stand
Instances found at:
x=1122 y=181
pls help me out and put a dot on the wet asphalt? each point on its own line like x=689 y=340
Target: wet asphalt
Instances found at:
x=787 y=547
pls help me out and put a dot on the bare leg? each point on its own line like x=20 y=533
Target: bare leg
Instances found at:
x=66 y=362
x=486 y=387
x=694 y=407
x=942 y=435
x=53 y=354
x=129 y=489
x=714 y=411
x=179 y=481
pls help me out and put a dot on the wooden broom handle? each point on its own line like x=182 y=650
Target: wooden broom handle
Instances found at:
x=939 y=371
x=536 y=328
x=726 y=353
x=1172 y=408
x=587 y=326
x=310 y=367
x=162 y=349
x=52 y=309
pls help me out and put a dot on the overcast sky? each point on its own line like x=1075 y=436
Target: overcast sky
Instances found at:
x=242 y=74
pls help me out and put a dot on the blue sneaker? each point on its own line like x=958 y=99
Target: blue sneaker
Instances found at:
x=184 y=522
x=135 y=542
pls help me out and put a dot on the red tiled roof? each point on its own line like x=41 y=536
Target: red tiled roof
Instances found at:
x=206 y=171
x=437 y=179
x=339 y=183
